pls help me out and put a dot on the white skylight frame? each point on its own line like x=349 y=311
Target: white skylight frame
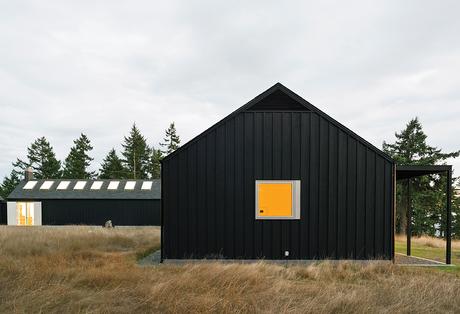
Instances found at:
x=46 y=185
x=130 y=185
x=96 y=185
x=147 y=185
x=30 y=185
x=80 y=185
x=113 y=185
x=63 y=185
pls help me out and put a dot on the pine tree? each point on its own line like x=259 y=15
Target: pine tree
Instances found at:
x=456 y=217
x=9 y=184
x=112 y=167
x=411 y=148
x=154 y=163
x=77 y=162
x=171 y=141
x=135 y=155
x=42 y=159
x=427 y=192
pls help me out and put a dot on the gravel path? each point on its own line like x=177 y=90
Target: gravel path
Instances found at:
x=400 y=259
x=152 y=259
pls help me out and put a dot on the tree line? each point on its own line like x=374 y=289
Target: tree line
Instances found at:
x=138 y=160
x=428 y=194
x=141 y=161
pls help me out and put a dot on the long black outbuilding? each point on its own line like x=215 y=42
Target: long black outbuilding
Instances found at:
x=346 y=187
x=85 y=202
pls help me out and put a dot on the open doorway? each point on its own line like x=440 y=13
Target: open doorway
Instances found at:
x=413 y=247
x=25 y=213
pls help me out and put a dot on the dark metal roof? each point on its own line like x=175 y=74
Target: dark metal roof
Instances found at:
x=86 y=193
x=277 y=89
x=412 y=171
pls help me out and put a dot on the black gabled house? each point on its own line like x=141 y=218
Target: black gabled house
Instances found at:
x=278 y=179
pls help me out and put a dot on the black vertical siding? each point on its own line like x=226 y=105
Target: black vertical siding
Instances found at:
x=313 y=177
x=97 y=212
x=258 y=165
x=209 y=189
x=3 y=220
x=267 y=160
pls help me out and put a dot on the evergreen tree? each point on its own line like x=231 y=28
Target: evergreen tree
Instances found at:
x=456 y=210
x=112 y=167
x=171 y=141
x=135 y=155
x=77 y=162
x=154 y=163
x=42 y=159
x=9 y=184
x=428 y=198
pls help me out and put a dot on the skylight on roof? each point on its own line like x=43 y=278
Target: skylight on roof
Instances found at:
x=113 y=185
x=130 y=185
x=80 y=185
x=96 y=185
x=46 y=185
x=30 y=185
x=63 y=185
x=146 y=185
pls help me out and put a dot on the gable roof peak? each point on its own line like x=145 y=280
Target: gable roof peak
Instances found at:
x=296 y=103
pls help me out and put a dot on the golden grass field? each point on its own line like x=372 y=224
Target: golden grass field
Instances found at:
x=94 y=270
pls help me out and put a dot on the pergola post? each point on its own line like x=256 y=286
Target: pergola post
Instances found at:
x=409 y=219
x=448 y=216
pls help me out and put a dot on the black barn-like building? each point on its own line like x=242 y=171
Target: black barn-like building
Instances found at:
x=85 y=202
x=216 y=187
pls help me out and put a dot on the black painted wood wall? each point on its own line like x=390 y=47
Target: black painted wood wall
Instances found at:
x=97 y=212
x=3 y=210
x=346 y=191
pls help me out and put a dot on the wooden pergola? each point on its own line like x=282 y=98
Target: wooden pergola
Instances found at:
x=407 y=172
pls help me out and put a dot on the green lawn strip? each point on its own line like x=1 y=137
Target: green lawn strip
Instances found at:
x=433 y=253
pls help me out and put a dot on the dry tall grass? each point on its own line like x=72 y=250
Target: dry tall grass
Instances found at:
x=93 y=270
x=429 y=241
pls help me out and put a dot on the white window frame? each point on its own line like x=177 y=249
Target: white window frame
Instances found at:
x=295 y=200
x=12 y=213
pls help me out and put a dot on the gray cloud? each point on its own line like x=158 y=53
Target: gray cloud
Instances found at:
x=96 y=67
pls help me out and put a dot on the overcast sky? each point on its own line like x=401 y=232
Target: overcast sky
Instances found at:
x=96 y=67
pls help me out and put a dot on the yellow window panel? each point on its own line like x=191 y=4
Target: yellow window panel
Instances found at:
x=274 y=199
